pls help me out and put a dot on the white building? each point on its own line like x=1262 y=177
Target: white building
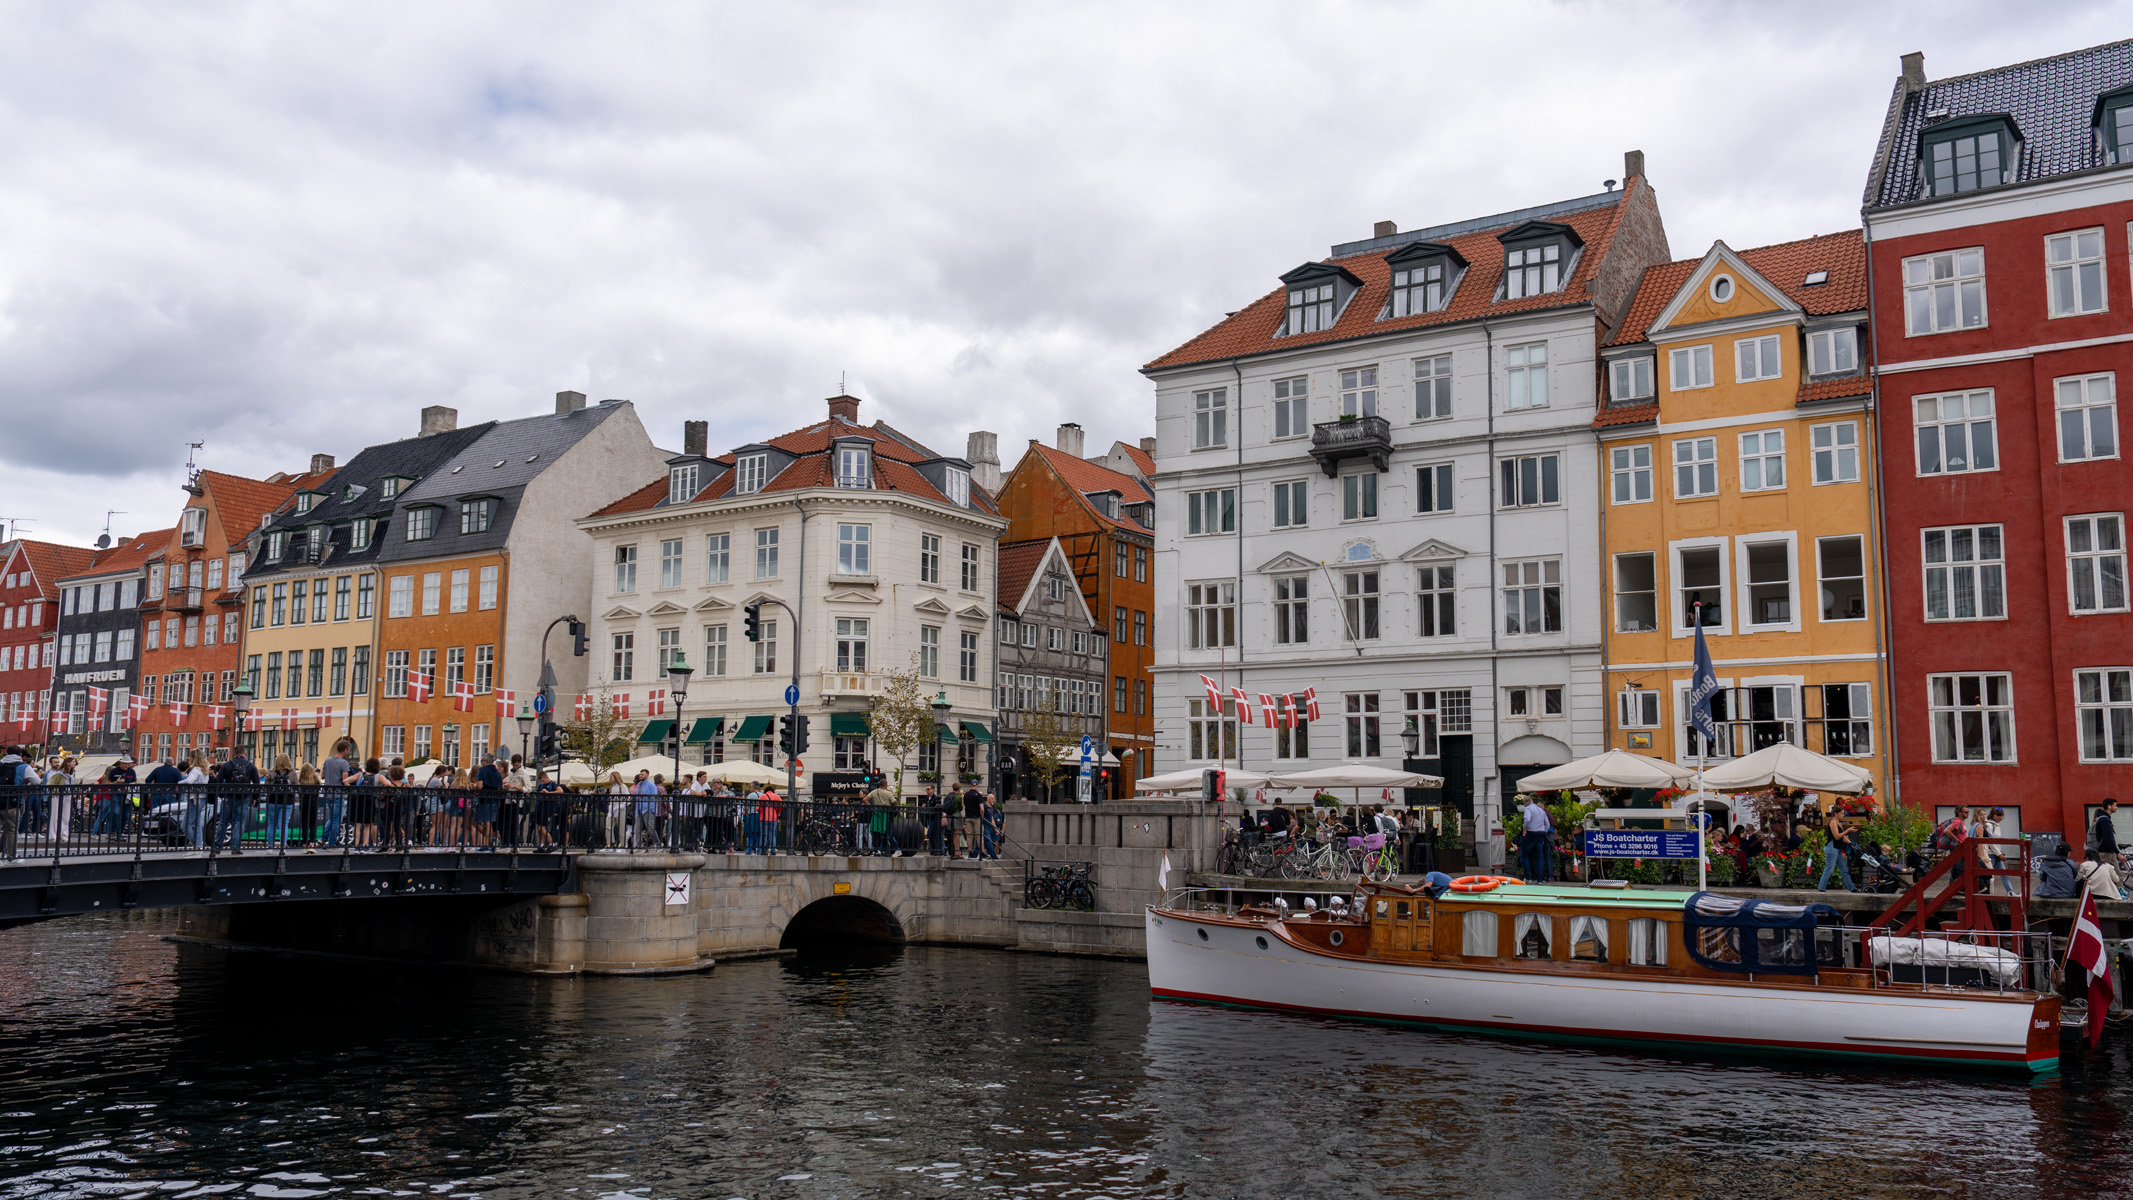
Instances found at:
x=1380 y=481
x=884 y=549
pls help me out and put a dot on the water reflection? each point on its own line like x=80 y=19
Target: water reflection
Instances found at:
x=128 y=1064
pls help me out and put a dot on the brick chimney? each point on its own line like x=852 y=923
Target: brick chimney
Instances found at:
x=569 y=402
x=1148 y=446
x=1632 y=166
x=439 y=419
x=1914 y=71
x=1384 y=229
x=695 y=436
x=845 y=408
x=321 y=463
x=1069 y=439
x=984 y=458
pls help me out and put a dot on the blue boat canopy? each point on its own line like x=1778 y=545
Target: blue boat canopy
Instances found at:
x=1727 y=933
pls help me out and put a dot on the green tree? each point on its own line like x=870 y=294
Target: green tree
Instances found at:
x=1049 y=741
x=603 y=739
x=901 y=717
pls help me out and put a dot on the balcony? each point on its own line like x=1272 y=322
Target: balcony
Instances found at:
x=182 y=599
x=1332 y=442
x=839 y=684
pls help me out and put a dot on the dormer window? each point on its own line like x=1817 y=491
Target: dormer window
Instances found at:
x=359 y=534
x=1833 y=351
x=1537 y=258
x=275 y=543
x=959 y=487
x=316 y=536
x=750 y=473
x=421 y=524
x=305 y=501
x=1311 y=308
x=475 y=515
x=2114 y=125
x=681 y=483
x=390 y=486
x=1630 y=379
x=855 y=467
x=349 y=493
x=1965 y=155
x=1424 y=275
x=1317 y=293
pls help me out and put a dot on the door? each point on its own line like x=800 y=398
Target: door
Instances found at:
x=1456 y=759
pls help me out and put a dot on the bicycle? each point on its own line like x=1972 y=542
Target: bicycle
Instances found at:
x=1063 y=887
x=1374 y=857
x=1326 y=862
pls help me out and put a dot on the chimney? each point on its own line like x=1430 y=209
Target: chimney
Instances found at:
x=321 y=463
x=1384 y=229
x=1069 y=440
x=1148 y=446
x=845 y=408
x=984 y=458
x=1914 y=71
x=439 y=419
x=1632 y=166
x=695 y=435
x=569 y=402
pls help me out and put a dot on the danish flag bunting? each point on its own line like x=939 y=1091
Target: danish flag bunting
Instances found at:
x=253 y=719
x=60 y=721
x=217 y=714
x=99 y=699
x=622 y=706
x=418 y=686
x=1214 y=695
x=136 y=708
x=655 y=702
x=24 y=714
x=180 y=712
x=324 y=716
x=1288 y=710
x=506 y=700
x=1311 y=703
x=1244 y=705
x=2086 y=950
x=288 y=718
x=1266 y=709
x=583 y=707
x=463 y=696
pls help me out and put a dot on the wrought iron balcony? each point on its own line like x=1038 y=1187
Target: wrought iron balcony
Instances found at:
x=1361 y=437
x=182 y=599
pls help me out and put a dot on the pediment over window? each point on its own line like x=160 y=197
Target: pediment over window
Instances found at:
x=973 y=612
x=852 y=596
x=1432 y=550
x=1423 y=251
x=1318 y=294
x=1539 y=231
x=1286 y=563
x=934 y=605
x=620 y=612
x=713 y=603
x=667 y=608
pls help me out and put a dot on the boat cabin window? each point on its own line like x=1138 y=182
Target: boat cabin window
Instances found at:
x=1647 y=942
x=1533 y=935
x=1477 y=934
x=1588 y=939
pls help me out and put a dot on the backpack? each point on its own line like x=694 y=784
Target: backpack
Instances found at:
x=1949 y=835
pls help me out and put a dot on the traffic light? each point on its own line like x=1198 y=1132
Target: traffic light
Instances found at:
x=550 y=746
x=799 y=741
x=752 y=627
x=577 y=638
x=785 y=732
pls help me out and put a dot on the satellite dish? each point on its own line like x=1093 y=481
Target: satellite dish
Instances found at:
x=103 y=541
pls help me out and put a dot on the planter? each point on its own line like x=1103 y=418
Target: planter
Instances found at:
x=1767 y=877
x=1451 y=861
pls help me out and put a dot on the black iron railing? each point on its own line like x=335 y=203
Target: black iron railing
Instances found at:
x=1055 y=884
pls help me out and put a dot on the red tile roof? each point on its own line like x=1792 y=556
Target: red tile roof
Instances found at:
x=1018 y=561
x=1626 y=414
x=52 y=562
x=645 y=497
x=1785 y=265
x=240 y=502
x=1141 y=458
x=1836 y=389
x=1251 y=329
x=126 y=555
x=1083 y=477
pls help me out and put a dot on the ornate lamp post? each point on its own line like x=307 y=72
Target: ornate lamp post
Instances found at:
x=240 y=704
x=526 y=722
x=678 y=673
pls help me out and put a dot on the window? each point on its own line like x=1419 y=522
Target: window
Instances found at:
x=714 y=650
x=766 y=554
x=1210 y=418
x=2103 y=707
x=421 y=525
x=1359 y=392
x=1120 y=559
x=622 y=667
x=341 y=590
x=1529 y=481
x=1437 y=598
x=1973 y=717
x=280 y=615
x=432 y=592
x=484 y=670
x=455 y=669
x=401 y=601
x=1955 y=433
x=681 y=483
x=1526 y=375
x=854 y=467
x=1477 y=934
x=422 y=742
x=1533 y=596
x=1756 y=359
x=1140 y=627
x=273 y=676
x=1769 y=570
x=1636 y=593
x=1630 y=467
x=2074 y=266
x=750 y=473
x=929 y=651
x=366 y=587
x=1533 y=702
x=395 y=673
x=1966 y=162
x=852 y=645
x=1833 y=351
x=1434 y=489
x=1533 y=271
x=670 y=563
x=475 y=515
x=1359 y=496
x=297 y=593
x=1841 y=574
x=970 y=567
x=1836 y=452
x=314 y=675
x=1118 y=627
x=1965 y=574
x=1701 y=579
x=2095 y=564
x=2088 y=417
x=359 y=534
x=1363 y=724
x=1210 y=615
x=1695 y=467
x=1942 y=292
x=929 y=558
x=958 y=486
x=1418 y=289
x=1847 y=719
x=275 y=541
x=766 y=649
x=460 y=581
x=1762 y=461
x=1292 y=610
x=1688 y=368
x=626 y=568
x=669 y=645
x=1209 y=736
x=1433 y=387
x=1029 y=637
x=1140 y=564
x=855 y=550
x=966 y=665
x=1359 y=603
x=1211 y=512
x=1630 y=379
x=1311 y=308
x=1637 y=708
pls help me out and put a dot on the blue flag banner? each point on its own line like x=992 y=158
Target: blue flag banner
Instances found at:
x=1703 y=684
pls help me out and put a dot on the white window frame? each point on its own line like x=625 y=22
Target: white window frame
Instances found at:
x=1760 y=457
x=1699 y=459
x=855 y=549
x=1504 y=586
x=1865 y=571
x=2077 y=396
x=766 y=553
x=1745 y=584
x=2069 y=270
x=1210 y=419
x=1210 y=606
x=1935 y=710
x=751 y=473
x=1631 y=705
x=1969 y=420
x=1513 y=494
x=1292 y=610
x=1630 y=378
x=1922 y=290
x=2113 y=695
x=681 y=483
x=1525 y=373
x=1688 y=368
x=1442 y=490
x=1676 y=583
x=855 y=467
x=1359 y=392
x=929 y=558
x=1624 y=473
x=670 y=555
x=1437 y=600
x=2097 y=559
x=1290 y=506
x=1292 y=407
x=1832 y=454
x=1211 y=512
x=1826 y=346
x=1756 y=359
x=625 y=568
x=1615 y=586
x=1433 y=387
x=718 y=557
x=1359 y=496
x=1984 y=568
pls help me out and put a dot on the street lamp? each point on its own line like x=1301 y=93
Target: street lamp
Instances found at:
x=940 y=722
x=678 y=673
x=526 y=722
x=240 y=704
x=1411 y=739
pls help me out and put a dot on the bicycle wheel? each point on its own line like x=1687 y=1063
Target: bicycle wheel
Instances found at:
x=1041 y=892
x=1079 y=895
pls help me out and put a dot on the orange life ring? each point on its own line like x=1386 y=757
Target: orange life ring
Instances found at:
x=1476 y=883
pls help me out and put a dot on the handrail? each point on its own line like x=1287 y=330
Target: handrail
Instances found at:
x=1962 y=870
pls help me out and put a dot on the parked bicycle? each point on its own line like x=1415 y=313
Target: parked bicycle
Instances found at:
x=1065 y=886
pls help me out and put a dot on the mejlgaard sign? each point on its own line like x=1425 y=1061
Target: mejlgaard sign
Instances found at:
x=1640 y=843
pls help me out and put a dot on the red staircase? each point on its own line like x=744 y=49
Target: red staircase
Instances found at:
x=1914 y=911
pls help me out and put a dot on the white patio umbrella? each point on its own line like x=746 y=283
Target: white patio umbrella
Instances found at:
x=1354 y=775
x=1787 y=765
x=1612 y=769
x=576 y=774
x=745 y=770
x=1189 y=781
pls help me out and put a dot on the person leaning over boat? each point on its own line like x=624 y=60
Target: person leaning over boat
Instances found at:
x=1533 y=840
x=1839 y=850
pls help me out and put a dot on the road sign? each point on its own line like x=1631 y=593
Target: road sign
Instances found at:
x=1640 y=843
x=540 y=703
x=792 y=694
x=798 y=767
x=1088 y=747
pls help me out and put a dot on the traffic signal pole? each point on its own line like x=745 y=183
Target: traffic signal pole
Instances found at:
x=548 y=743
x=752 y=629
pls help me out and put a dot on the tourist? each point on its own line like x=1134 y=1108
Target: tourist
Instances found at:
x=768 y=815
x=973 y=823
x=280 y=796
x=1533 y=840
x=933 y=815
x=196 y=806
x=617 y=824
x=111 y=800
x=2055 y=876
x=995 y=826
x=307 y=783
x=874 y=817
x=363 y=805
x=2101 y=877
x=644 y=812
x=16 y=773
x=1989 y=857
x=58 y=780
x=489 y=785
x=162 y=777
x=1278 y=821
x=333 y=801
x=396 y=810
x=1952 y=832
x=1837 y=854
x=2103 y=833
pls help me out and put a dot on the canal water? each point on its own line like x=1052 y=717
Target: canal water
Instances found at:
x=133 y=1066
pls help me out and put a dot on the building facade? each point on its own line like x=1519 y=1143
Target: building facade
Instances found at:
x=98 y=669
x=1738 y=473
x=881 y=548
x=1997 y=211
x=1104 y=521
x=29 y=623
x=1372 y=482
x=1053 y=672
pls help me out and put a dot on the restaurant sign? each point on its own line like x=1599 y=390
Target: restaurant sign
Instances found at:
x=1640 y=843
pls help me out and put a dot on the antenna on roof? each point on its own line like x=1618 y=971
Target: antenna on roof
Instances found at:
x=14 y=527
x=192 y=473
x=104 y=542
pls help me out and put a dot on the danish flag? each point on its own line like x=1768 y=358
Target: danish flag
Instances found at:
x=136 y=708
x=1214 y=696
x=583 y=707
x=655 y=702
x=288 y=718
x=253 y=719
x=180 y=712
x=418 y=686
x=463 y=696
x=505 y=700
x=99 y=699
x=1266 y=709
x=23 y=716
x=2086 y=949
x=1288 y=710
x=324 y=716
x=217 y=714
x=621 y=702
x=1244 y=705
x=1311 y=703
x=60 y=721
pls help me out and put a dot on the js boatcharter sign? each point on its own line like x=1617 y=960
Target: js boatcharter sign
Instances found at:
x=1640 y=843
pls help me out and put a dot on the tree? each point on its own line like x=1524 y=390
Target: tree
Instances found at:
x=603 y=740
x=901 y=717
x=1050 y=744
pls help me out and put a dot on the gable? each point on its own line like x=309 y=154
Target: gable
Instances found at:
x=1432 y=550
x=1749 y=294
x=1286 y=563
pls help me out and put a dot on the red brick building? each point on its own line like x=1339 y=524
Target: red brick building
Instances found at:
x=29 y=616
x=1997 y=216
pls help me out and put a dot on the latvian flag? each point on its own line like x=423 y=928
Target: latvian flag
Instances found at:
x=506 y=704
x=621 y=702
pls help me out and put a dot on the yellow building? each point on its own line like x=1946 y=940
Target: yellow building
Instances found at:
x=1737 y=454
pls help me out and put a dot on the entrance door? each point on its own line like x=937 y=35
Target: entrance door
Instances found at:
x=1456 y=764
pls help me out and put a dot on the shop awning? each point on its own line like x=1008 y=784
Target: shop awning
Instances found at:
x=978 y=733
x=655 y=732
x=704 y=730
x=946 y=735
x=752 y=729
x=849 y=725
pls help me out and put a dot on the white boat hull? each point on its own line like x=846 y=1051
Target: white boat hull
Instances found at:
x=1232 y=966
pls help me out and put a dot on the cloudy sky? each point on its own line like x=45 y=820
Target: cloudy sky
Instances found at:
x=280 y=229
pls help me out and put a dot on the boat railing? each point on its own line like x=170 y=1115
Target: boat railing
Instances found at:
x=1978 y=960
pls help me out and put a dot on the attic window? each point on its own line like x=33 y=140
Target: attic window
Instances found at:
x=1722 y=288
x=1963 y=156
x=475 y=516
x=855 y=467
x=959 y=487
x=389 y=487
x=1815 y=279
x=750 y=473
x=1424 y=276
x=1311 y=308
x=2114 y=124
x=304 y=501
x=681 y=483
x=1532 y=271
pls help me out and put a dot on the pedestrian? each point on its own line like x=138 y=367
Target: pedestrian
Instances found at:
x=333 y=795
x=233 y=807
x=1988 y=856
x=616 y=812
x=58 y=781
x=281 y=795
x=2102 y=878
x=1533 y=840
x=111 y=801
x=1837 y=854
x=196 y=805
x=973 y=824
x=490 y=784
x=768 y=818
x=396 y=809
x=363 y=805
x=935 y=817
x=995 y=826
x=2103 y=833
x=15 y=774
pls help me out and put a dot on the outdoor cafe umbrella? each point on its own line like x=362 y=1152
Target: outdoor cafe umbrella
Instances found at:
x=1612 y=769
x=1353 y=775
x=1787 y=765
x=1189 y=781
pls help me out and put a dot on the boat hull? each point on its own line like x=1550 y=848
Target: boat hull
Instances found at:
x=1230 y=967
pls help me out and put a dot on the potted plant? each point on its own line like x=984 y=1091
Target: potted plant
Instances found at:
x=1451 y=851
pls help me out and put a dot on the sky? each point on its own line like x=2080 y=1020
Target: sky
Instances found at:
x=284 y=229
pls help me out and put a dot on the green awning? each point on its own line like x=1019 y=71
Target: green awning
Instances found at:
x=978 y=733
x=849 y=725
x=946 y=734
x=704 y=730
x=752 y=729
x=655 y=732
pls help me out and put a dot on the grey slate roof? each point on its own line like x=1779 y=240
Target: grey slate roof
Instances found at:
x=2052 y=101
x=411 y=458
x=499 y=465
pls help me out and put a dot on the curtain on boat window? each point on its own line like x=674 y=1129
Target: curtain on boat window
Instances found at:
x=1533 y=935
x=1588 y=939
x=1647 y=942
x=1477 y=934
